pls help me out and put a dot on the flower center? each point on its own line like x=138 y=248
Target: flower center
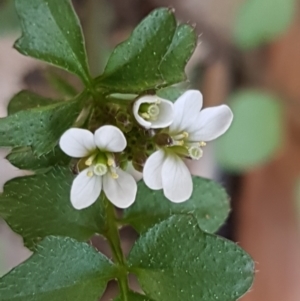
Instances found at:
x=101 y=164
x=183 y=147
x=150 y=111
x=100 y=169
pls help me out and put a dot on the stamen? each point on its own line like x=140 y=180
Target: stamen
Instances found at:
x=202 y=143
x=114 y=175
x=90 y=174
x=90 y=160
x=110 y=159
x=145 y=115
x=178 y=143
x=113 y=172
x=181 y=136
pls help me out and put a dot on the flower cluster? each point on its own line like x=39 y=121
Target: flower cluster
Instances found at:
x=176 y=133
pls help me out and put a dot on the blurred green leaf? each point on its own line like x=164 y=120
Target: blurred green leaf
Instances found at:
x=176 y=261
x=154 y=56
x=9 y=21
x=52 y=33
x=39 y=206
x=61 y=269
x=208 y=204
x=259 y=22
x=61 y=85
x=255 y=134
x=134 y=297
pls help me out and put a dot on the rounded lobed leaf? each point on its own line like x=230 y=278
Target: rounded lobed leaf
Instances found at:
x=38 y=206
x=175 y=260
x=209 y=204
x=61 y=269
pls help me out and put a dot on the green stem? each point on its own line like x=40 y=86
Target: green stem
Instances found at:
x=113 y=237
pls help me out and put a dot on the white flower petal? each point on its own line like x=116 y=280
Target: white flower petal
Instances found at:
x=110 y=138
x=166 y=115
x=121 y=191
x=152 y=170
x=177 y=180
x=85 y=190
x=186 y=110
x=136 y=106
x=77 y=143
x=212 y=123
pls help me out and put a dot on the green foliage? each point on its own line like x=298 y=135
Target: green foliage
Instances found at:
x=208 y=204
x=61 y=269
x=24 y=158
x=38 y=206
x=171 y=93
x=61 y=85
x=176 y=261
x=8 y=18
x=39 y=127
x=154 y=55
x=52 y=33
x=175 y=257
x=256 y=131
x=134 y=297
x=259 y=22
x=25 y=100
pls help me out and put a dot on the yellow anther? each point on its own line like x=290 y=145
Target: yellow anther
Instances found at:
x=114 y=175
x=185 y=134
x=179 y=143
x=90 y=174
x=202 y=143
x=90 y=160
x=110 y=162
x=145 y=115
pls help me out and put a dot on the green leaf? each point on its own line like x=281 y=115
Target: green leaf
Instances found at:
x=39 y=206
x=134 y=297
x=171 y=93
x=154 y=55
x=208 y=204
x=256 y=132
x=9 y=22
x=258 y=22
x=24 y=158
x=52 y=33
x=41 y=127
x=62 y=270
x=176 y=261
x=25 y=100
x=61 y=85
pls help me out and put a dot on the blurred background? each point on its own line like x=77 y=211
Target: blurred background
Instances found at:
x=248 y=57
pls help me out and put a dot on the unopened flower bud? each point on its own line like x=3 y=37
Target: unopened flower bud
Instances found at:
x=163 y=139
x=139 y=160
x=124 y=122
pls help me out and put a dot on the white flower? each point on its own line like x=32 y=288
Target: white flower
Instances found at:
x=151 y=111
x=165 y=169
x=98 y=167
